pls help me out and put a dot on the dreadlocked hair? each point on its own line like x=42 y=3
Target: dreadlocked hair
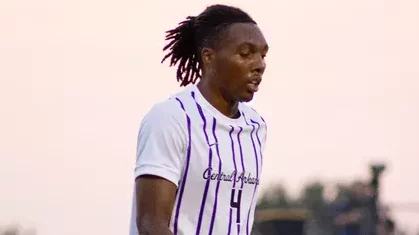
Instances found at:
x=196 y=32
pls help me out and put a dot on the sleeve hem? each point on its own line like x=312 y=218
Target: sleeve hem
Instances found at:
x=157 y=171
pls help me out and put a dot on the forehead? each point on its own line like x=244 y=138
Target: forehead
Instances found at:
x=243 y=33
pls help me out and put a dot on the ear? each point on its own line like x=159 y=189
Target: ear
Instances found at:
x=207 y=55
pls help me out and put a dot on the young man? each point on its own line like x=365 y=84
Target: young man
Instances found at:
x=199 y=153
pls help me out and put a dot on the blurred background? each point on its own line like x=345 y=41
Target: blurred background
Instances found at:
x=340 y=96
x=332 y=208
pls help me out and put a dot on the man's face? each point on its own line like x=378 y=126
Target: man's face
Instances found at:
x=238 y=61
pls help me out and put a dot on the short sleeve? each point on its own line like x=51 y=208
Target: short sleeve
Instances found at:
x=261 y=123
x=265 y=136
x=161 y=143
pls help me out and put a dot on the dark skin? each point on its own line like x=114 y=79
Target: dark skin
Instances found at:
x=155 y=199
x=236 y=60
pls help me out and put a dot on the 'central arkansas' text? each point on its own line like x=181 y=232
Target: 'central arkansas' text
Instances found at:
x=221 y=176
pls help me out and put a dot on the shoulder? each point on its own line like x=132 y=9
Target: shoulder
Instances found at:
x=165 y=112
x=170 y=111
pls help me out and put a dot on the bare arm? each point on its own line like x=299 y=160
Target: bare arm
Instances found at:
x=155 y=199
x=160 y=156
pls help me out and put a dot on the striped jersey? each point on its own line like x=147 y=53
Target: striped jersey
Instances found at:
x=215 y=162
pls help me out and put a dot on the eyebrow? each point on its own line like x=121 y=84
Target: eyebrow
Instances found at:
x=247 y=43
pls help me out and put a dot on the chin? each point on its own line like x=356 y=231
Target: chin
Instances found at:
x=246 y=98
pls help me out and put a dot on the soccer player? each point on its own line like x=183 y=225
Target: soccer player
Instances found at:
x=199 y=153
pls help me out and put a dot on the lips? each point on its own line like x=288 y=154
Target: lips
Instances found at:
x=253 y=85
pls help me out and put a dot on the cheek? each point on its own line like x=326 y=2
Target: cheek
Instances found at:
x=233 y=71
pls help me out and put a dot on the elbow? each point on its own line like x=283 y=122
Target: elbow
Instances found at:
x=144 y=226
x=147 y=225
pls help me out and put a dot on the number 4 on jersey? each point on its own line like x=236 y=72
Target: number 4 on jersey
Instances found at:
x=236 y=204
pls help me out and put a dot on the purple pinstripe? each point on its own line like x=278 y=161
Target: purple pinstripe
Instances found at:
x=235 y=175
x=204 y=196
x=183 y=183
x=257 y=171
x=259 y=142
x=243 y=168
x=214 y=210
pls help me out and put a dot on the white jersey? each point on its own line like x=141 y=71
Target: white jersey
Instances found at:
x=215 y=162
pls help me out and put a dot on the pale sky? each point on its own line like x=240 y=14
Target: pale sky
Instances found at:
x=77 y=76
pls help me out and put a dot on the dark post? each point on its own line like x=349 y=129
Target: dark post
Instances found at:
x=376 y=171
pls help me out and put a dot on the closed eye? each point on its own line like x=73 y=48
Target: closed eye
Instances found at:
x=245 y=54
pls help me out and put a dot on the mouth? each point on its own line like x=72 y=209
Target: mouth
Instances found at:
x=253 y=85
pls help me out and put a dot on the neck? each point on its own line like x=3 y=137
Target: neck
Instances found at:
x=218 y=100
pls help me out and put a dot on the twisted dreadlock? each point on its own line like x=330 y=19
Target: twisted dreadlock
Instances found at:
x=187 y=40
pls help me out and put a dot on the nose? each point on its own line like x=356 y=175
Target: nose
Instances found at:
x=259 y=65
